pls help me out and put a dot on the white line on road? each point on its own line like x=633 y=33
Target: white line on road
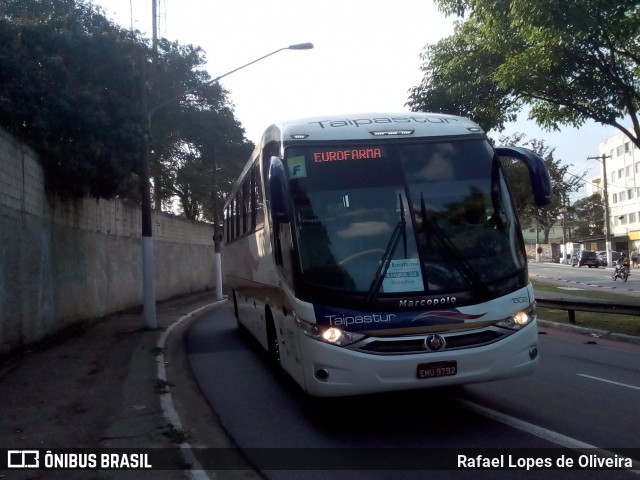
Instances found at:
x=608 y=381
x=541 y=432
x=549 y=435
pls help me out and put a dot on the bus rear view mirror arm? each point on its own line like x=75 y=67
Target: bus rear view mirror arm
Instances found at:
x=278 y=191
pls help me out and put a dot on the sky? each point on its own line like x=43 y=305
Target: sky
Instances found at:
x=366 y=58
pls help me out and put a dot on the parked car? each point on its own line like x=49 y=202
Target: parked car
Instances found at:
x=584 y=257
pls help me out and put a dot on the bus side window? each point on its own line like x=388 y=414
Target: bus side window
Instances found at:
x=226 y=223
x=239 y=206
x=257 y=198
x=246 y=207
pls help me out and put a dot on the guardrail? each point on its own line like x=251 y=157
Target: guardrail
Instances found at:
x=586 y=305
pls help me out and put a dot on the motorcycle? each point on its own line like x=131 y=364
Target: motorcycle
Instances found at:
x=620 y=271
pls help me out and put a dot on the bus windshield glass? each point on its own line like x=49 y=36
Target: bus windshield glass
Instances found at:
x=398 y=218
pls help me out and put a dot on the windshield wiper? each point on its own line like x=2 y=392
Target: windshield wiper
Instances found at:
x=446 y=242
x=400 y=230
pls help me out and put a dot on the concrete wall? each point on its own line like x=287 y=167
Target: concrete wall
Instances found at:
x=62 y=262
x=545 y=256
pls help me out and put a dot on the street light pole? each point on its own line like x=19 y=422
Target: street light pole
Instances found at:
x=149 y=300
x=298 y=46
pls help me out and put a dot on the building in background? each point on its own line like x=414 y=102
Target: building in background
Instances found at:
x=623 y=190
x=622 y=178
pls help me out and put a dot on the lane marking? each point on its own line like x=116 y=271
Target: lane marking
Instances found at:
x=545 y=434
x=608 y=381
x=526 y=427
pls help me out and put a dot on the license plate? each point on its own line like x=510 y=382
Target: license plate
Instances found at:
x=437 y=369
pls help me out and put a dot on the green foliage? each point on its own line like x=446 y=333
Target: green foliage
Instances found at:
x=72 y=84
x=190 y=132
x=569 y=61
x=213 y=147
x=63 y=91
x=586 y=218
x=561 y=183
x=458 y=79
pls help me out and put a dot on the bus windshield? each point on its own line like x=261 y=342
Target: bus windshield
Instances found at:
x=402 y=218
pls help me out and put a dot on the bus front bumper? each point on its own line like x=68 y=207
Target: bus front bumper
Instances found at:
x=336 y=371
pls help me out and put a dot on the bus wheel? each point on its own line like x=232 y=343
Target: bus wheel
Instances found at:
x=235 y=304
x=272 y=341
x=241 y=329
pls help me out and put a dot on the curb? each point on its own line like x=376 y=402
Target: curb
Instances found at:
x=595 y=333
x=169 y=412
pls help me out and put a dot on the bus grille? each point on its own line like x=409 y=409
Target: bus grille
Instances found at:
x=416 y=344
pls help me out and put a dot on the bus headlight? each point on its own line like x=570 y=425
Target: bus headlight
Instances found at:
x=331 y=335
x=519 y=320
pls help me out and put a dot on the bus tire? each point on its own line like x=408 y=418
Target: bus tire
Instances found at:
x=240 y=328
x=235 y=304
x=272 y=341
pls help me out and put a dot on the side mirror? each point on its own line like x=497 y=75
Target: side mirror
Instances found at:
x=278 y=191
x=538 y=172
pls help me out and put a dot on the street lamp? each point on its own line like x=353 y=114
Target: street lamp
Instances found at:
x=148 y=288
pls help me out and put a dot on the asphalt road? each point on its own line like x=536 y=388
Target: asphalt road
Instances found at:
x=585 y=394
x=586 y=278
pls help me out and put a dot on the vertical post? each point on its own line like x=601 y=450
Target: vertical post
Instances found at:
x=565 y=260
x=537 y=241
x=148 y=286
x=216 y=232
x=157 y=187
x=154 y=25
x=607 y=227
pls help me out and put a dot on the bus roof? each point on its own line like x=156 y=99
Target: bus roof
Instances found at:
x=371 y=125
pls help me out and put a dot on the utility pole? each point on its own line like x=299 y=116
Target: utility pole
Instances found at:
x=157 y=187
x=154 y=26
x=148 y=277
x=537 y=240
x=607 y=225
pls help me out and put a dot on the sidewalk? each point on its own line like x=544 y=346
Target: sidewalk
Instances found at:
x=98 y=386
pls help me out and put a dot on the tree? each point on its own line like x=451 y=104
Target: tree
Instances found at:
x=81 y=115
x=587 y=218
x=562 y=185
x=71 y=85
x=211 y=140
x=570 y=61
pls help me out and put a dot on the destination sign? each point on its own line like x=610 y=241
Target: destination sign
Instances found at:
x=347 y=154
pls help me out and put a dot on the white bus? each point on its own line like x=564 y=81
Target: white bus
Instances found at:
x=382 y=252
